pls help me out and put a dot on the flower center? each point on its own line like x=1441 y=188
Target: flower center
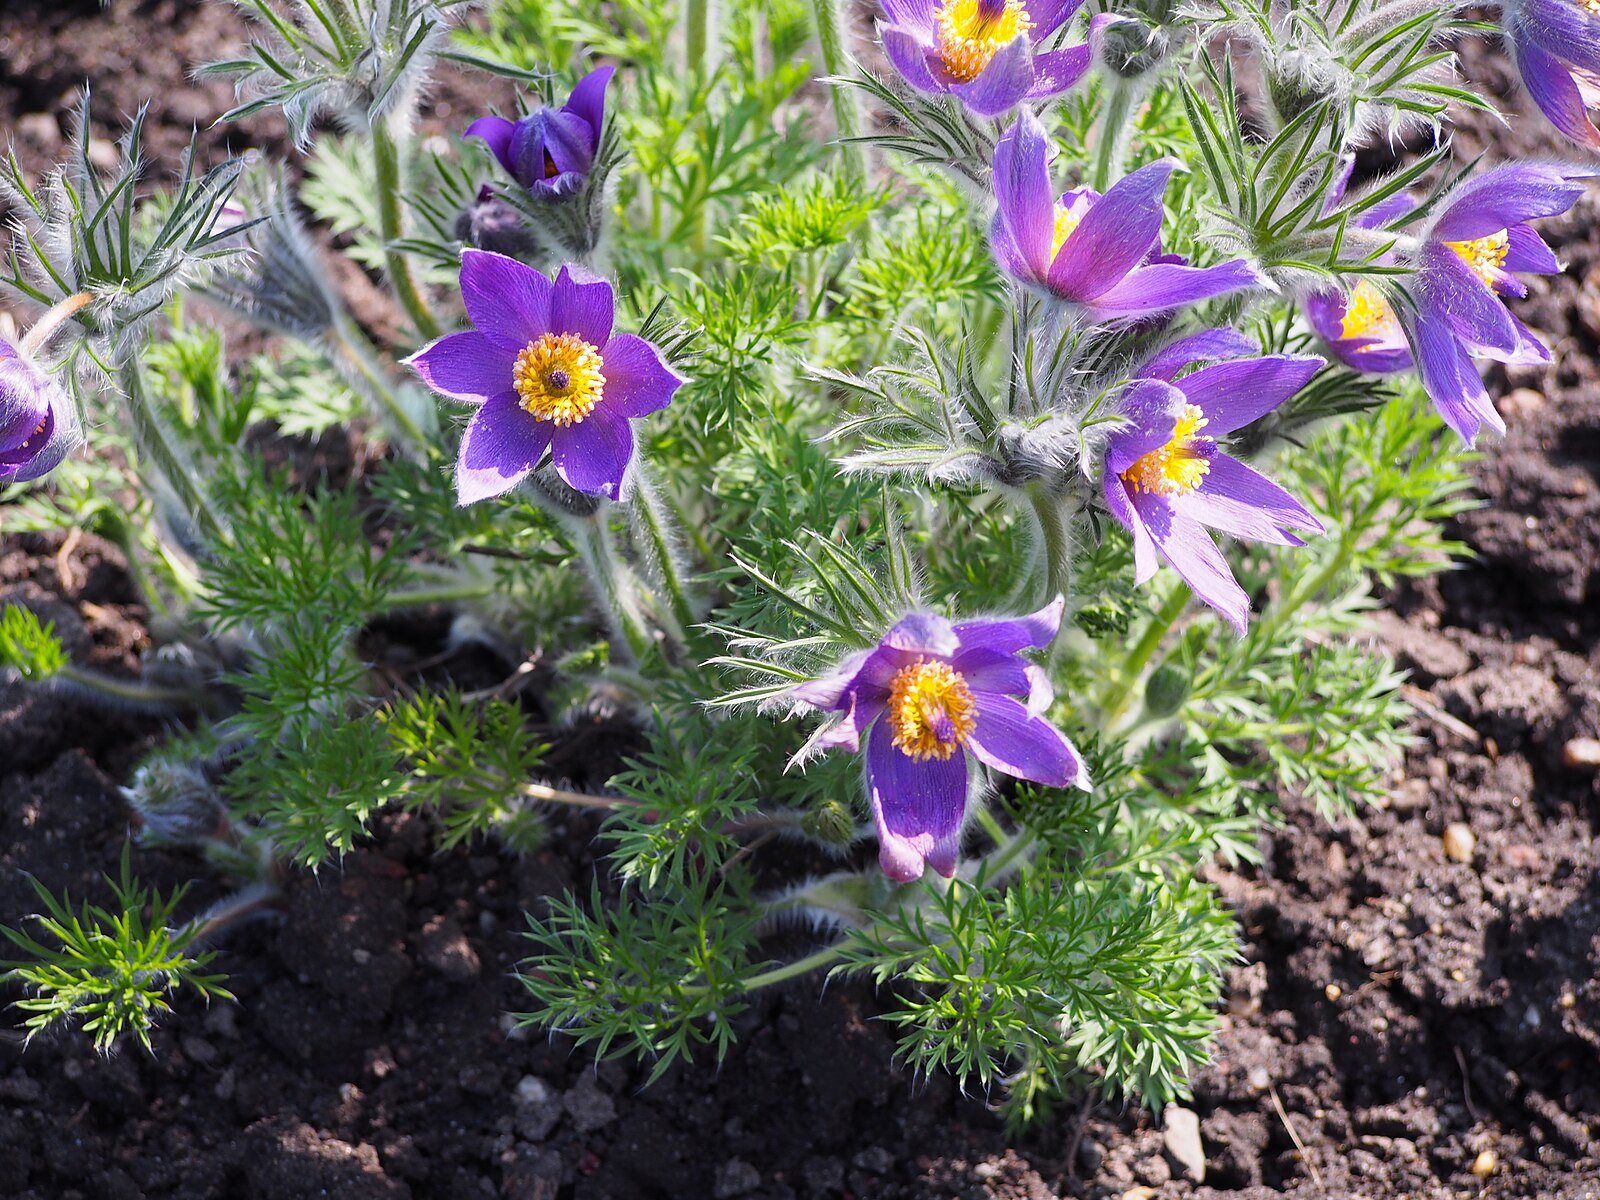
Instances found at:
x=558 y=378
x=1367 y=314
x=1066 y=221
x=1485 y=255
x=971 y=33
x=1178 y=467
x=931 y=710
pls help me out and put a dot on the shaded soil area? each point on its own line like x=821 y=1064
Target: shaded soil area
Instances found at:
x=1417 y=1014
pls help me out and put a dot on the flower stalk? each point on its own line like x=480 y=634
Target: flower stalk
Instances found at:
x=389 y=181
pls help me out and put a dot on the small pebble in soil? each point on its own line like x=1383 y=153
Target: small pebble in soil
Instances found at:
x=591 y=1108
x=1567 y=1000
x=1258 y=1079
x=1460 y=843
x=1333 y=991
x=1138 y=1193
x=1182 y=1138
x=875 y=1159
x=736 y=1178
x=1581 y=753
x=1483 y=1166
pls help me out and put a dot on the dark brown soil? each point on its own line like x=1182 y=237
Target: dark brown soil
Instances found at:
x=1400 y=1015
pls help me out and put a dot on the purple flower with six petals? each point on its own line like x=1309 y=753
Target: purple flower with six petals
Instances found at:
x=546 y=372
x=981 y=51
x=1463 y=267
x=1556 y=44
x=38 y=421
x=1168 y=483
x=1097 y=252
x=551 y=150
x=931 y=693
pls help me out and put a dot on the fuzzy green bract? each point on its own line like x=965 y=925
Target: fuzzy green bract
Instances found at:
x=1040 y=430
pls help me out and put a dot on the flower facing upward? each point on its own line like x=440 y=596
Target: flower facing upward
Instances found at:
x=38 y=421
x=931 y=694
x=1556 y=44
x=1100 y=253
x=981 y=51
x=546 y=372
x=1167 y=479
x=1465 y=262
x=550 y=151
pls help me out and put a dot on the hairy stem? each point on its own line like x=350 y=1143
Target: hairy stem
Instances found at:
x=612 y=579
x=363 y=372
x=1056 y=539
x=124 y=693
x=155 y=442
x=1143 y=651
x=1116 y=126
x=386 y=159
x=831 y=16
x=655 y=530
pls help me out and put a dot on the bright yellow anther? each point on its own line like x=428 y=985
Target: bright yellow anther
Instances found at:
x=971 y=33
x=1176 y=468
x=1368 y=315
x=1066 y=222
x=1485 y=255
x=557 y=377
x=931 y=710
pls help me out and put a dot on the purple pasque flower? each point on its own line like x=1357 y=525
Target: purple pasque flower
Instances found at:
x=1168 y=482
x=982 y=51
x=551 y=150
x=38 y=420
x=1360 y=328
x=545 y=372
x=1556 y=44
x=1096 y=252
x=1464 y=263
x=929 y=696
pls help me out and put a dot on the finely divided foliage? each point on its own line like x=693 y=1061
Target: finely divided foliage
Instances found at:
x=972 y=496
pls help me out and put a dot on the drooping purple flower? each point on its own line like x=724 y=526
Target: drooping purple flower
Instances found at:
x=1465 y=262
x=930 y=695
x=1168 y=482
x=38 y=420
x=1556 y=44
x=982 y=51
x=1096 y=252
x=545 y=372
x=551 y=150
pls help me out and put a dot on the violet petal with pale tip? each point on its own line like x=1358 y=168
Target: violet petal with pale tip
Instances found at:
x=38 y=420
x=546 y=374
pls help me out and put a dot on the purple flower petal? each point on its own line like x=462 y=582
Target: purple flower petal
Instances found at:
x=918 y=807
x=915 y=15
x=508 y=301
x=1149 y=409
x=569 y=140
x=1120 y=507
x=1211 y=345
x=1034 y=631
x=23 y=398
x=1232 y=394
x=1369 y=355
x=1161 y=287
x=588 y=100
x=1114 y=235
x=1055 y=71
x=593 y=455
x=1452 y=380
x=1002 y=84
x=1562 y=28
x=1552 y=87
x=828 y=691
x=582 y=305
x=1451 y=290
x=1014 y=742
x=909 y=54
x=465 y=366
x=496 y=133
x=1503 y=197
x=990 y=670
x=637 y=380
x=923 y=633
x=1188 y=547
x=500 y=448
x=1529 y=252
x=1242 y=502
x=1025 y=216
x=1049 y=15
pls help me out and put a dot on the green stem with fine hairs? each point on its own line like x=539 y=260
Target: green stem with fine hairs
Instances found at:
x=834 y=42
x=653 y=521
x=1116 y=126
x=1143 y=651
x=391 y=224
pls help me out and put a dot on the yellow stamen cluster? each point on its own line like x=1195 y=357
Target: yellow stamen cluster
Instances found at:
x=1367 y=314
x=1176 y=468
x=558 y=379
x=971 y=33
x=1066 y=222
x=1485 y=255
x=931 y=710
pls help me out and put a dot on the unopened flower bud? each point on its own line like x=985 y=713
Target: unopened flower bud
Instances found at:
x=38 y=421
x=830 y=822
x=1166 y=690
x=492 y=224
x=1132 y=49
